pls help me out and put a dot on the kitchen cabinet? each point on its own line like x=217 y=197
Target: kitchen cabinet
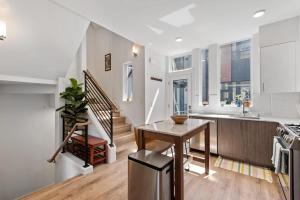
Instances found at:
x=231 y=139
x=263 y=142
x=246 y=140
x=278 y=68
x=279 y=32
x=279 y=63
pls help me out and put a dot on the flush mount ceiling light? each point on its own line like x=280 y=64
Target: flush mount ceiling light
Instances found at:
x=178 y=39
x=2 y=30
x=259 y=13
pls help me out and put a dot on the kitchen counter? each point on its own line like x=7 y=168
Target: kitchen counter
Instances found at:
x=235 y=116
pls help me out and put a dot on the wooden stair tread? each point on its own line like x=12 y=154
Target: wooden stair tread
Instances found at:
x=121 y=125
x=120 y=128
x=123 y=135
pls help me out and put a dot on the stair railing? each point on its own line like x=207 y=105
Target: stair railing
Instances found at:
x=52 y=159
x=100 y=104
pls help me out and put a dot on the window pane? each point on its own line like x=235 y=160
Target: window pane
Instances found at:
x=235 y=72
x=204 y=76
x=128 y=82
x=183 y=62
x=180 y=92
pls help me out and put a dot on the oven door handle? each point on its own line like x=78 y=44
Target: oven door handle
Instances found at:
x=285 y=150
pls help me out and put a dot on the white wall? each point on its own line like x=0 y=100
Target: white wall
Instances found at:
x=42 y=38
x=101 y=41
x=155 y=91
x=27 y=140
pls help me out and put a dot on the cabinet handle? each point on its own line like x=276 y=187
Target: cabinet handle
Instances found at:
x=263 y=87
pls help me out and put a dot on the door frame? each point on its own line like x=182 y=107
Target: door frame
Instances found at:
x=177 y=76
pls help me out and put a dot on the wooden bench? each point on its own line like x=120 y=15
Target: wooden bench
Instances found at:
x=97 y=148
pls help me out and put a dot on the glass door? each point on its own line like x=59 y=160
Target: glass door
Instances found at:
x=180 y=96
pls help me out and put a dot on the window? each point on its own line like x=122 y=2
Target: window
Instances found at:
x=127 y=82
x=235 y=73
x=204 y=56
x=182 y=62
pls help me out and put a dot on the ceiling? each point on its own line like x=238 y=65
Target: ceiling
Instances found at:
x=199 y=22
x=42 y=38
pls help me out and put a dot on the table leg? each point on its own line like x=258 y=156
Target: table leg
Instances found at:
x=141 y=139
x=207 y=148
x=179 y=180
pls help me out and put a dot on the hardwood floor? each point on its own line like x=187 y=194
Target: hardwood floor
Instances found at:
x=109 y=182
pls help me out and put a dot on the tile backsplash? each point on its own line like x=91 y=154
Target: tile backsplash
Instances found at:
x=276 y=105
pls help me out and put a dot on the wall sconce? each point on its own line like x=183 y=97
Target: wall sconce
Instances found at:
x=135 y=50
x=2 y=30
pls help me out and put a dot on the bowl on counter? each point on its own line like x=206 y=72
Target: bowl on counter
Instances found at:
x=179 y=119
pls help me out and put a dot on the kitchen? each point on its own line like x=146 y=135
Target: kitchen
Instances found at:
x=195 y=100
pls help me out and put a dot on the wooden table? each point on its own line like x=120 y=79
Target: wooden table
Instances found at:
x=176 y=134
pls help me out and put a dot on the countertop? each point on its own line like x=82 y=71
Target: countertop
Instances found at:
x=280 y=120
x=168 y=127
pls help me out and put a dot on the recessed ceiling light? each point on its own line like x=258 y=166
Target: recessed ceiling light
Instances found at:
x=150 y=43
x=178 y=39
x=259 y=13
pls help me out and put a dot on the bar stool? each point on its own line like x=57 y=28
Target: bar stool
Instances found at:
x=161 y=146
x=155 y=145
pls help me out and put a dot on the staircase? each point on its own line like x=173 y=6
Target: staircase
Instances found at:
x=122 y=130
x=107 y=112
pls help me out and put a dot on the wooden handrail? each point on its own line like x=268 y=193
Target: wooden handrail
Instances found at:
x=113 y=105
x=52 y=159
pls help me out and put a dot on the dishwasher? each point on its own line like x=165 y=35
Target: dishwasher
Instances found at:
x=197 y=142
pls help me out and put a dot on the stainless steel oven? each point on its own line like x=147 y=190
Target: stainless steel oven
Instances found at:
x=288 y=136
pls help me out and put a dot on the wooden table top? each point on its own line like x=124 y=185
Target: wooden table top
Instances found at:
x=168 y=127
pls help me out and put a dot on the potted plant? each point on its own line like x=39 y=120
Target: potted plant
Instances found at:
x=238 y=100
x=74 y=109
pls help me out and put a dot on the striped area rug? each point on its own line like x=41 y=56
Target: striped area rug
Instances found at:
x=244 y=168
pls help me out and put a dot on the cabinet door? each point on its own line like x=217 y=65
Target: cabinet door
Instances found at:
x=251 y=130
x=260 y=141
x=279 y=32
x=278 y=65
x=231 y=140
x=264 y=144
